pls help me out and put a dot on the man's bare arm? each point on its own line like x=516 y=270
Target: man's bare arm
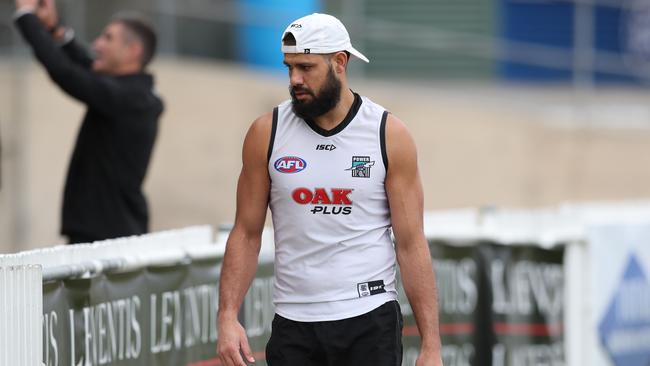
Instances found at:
x=243 y=245
x=405 y=198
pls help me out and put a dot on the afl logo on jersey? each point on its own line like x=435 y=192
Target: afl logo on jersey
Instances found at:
x=290 y=164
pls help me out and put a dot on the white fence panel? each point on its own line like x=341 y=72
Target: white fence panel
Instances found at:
x=21 y=311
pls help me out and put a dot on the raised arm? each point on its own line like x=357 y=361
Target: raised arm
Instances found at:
x=49 y=17
x=76 y=52
x=76 y=80
x=405 y=198
x=243 y=245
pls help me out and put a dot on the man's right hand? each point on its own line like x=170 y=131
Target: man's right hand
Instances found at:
x=48 y=15
x=26 y=5
x=232 y=343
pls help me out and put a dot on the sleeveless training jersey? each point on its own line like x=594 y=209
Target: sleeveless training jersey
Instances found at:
x=334 y=256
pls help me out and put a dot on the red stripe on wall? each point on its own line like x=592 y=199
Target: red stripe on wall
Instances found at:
x=529 y=329
x=445 y=329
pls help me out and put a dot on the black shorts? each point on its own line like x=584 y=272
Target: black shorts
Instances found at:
x=373 y=339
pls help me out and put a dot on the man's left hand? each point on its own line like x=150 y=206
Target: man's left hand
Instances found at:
x=48 y=15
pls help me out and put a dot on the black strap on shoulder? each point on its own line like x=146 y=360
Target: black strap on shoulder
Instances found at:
x=274 y=127
x=382 y=139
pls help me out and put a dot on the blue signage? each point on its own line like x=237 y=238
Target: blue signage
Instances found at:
x=625 y=328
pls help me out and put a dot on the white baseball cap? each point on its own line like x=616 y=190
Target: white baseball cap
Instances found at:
x=319 y=33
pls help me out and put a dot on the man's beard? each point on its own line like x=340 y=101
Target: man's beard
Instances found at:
x=327 y=98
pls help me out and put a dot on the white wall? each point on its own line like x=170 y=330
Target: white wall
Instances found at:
x=478 y=145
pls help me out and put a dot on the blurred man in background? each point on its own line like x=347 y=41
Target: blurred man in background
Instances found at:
x=103 y=195
x=338 y=172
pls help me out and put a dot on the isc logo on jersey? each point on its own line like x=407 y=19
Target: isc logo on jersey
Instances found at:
x=335 y=201
x=290 y=164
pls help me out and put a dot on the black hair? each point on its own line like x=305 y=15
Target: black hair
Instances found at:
x=289 y=39
x=143 y=31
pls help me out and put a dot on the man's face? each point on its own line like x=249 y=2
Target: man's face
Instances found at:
x=112 y=49
x=314 y=86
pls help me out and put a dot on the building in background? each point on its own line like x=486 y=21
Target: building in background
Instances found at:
x=603 y=41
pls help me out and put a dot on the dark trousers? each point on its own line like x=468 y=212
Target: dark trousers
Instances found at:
x=373 y=339
x=80 y=238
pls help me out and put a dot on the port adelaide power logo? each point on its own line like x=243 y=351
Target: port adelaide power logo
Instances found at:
x=361 y=166
x=290 y=164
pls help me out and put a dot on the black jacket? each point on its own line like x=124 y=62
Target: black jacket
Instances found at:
x=103 y=195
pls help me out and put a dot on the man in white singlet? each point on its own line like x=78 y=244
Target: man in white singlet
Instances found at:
x=339 y=174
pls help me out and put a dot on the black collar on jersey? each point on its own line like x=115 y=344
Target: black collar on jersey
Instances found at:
x=341 y=126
